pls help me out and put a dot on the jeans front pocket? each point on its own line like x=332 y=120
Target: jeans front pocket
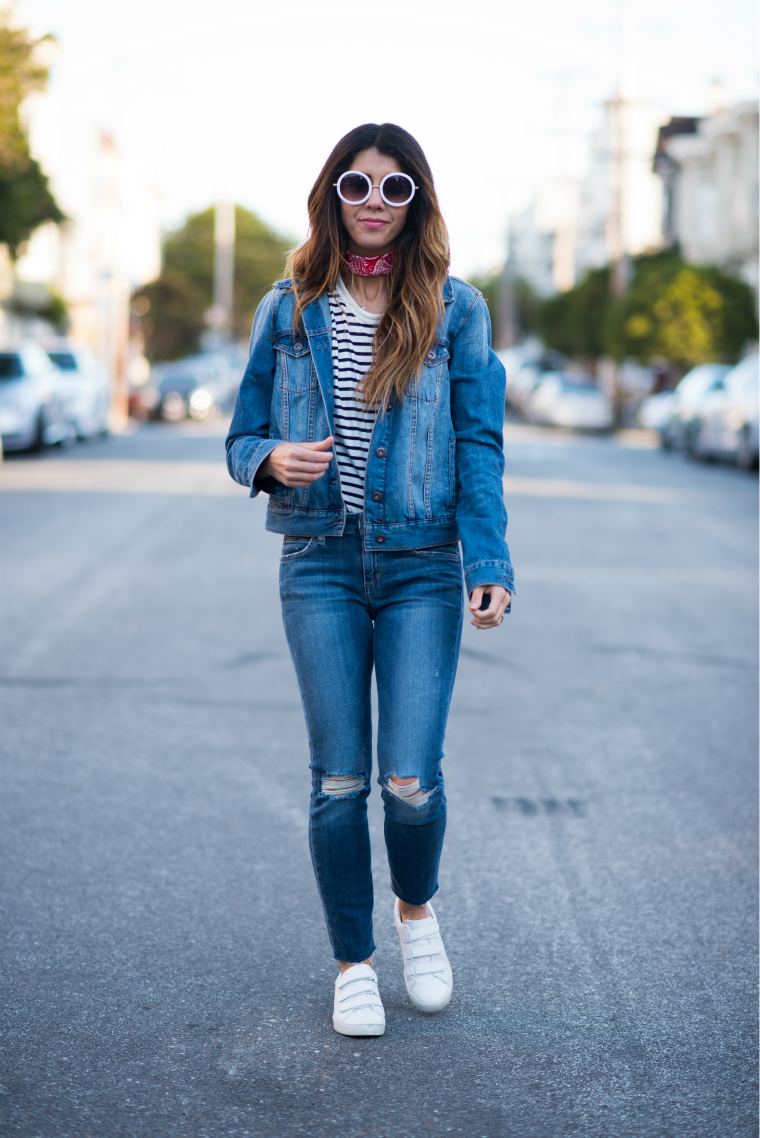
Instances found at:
x=295 y=547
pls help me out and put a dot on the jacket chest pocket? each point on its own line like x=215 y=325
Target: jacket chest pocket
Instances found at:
x=428 y=387
x=295 y=366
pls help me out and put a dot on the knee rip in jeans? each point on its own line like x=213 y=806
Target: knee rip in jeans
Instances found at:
x=412 y=795
x=343 y=785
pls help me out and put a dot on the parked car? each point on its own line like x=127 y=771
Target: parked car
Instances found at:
x=199 y=386
x=85 y=385
x=561 y=399
x=656 y=411
x=33 y=402
x=728 y=418
x=525 y=365
x=678 y=427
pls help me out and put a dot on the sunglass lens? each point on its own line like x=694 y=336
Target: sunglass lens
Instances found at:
x=397 y=189
x=354 y=188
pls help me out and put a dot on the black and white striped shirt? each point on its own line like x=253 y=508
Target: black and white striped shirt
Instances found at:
x=353 y=331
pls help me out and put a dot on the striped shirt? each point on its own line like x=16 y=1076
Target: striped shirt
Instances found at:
x=353 y=331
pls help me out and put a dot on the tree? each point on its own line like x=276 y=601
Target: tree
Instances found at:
x=524 y=299
x=688 y=314
x=25 y=198
x=178 y=300
x=573 y=321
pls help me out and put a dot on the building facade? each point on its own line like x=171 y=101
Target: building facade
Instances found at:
x=710 y=176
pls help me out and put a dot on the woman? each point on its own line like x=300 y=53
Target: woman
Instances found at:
x=371 y=412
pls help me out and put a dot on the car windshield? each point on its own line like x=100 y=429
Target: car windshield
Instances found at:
x=66 y=361
x=577 y=383
x=700 y=379
x=10 y=366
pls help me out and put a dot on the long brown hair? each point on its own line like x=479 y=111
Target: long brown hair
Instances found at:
x=406 y=332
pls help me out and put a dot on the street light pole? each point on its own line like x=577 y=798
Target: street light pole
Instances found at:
x=224 y=266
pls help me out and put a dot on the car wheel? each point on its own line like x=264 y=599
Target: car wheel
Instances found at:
x=691 y=440
x=38 y=438
x=746 y=458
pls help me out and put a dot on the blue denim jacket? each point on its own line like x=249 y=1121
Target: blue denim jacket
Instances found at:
x=435 y=467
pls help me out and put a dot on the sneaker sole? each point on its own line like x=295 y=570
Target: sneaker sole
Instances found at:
x=428 y=1008
x=359 y=1028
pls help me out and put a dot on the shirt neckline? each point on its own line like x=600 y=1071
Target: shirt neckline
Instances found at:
x=356 y=311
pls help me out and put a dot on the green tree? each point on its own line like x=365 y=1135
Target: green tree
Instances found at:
x=687 y=314
x=573 y=321
x=178 y=300
x=25 y=198
x=526 y=303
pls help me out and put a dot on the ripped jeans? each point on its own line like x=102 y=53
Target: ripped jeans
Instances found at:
x=345 y=611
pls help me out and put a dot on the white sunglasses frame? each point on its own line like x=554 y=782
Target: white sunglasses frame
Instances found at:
x=361 y=174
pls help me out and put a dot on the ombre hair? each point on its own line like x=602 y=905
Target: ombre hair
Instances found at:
x=406 y=332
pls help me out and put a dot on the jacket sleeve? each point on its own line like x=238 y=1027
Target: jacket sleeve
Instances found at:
x=478 y=388
x=248 y=441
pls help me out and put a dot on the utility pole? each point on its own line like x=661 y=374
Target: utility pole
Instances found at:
x=616 y=231
x=224 y=267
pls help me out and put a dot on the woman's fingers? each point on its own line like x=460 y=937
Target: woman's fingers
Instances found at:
x=492 y=616
x=299 y=464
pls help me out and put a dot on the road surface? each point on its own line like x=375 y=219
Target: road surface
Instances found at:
x=165 y=966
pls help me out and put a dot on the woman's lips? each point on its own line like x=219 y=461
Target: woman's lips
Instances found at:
x=373 y=223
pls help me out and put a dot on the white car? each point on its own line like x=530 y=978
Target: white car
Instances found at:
x=677 y=432
x=656 y=411
x=85 y=384
x=33 y=411
x=561 y=399
x=728 y=418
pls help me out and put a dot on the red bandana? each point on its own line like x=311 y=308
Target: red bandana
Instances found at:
x=370 y=266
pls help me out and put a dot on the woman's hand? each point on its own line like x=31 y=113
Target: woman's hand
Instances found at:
x=298 y=464
x=494 y=614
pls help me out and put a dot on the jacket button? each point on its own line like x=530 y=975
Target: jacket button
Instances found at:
x=380 y=539
x=431 y=355
x=377 y=496
x=298 y=345
x=380 y=452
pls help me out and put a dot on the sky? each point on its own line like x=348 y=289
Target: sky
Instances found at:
x=243 y=100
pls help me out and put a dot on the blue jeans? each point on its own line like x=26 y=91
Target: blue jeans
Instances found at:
x=346 y=610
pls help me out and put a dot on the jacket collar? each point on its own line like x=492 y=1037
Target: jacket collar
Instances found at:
x=317 y=314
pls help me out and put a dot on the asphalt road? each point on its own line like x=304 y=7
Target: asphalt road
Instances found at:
x=164 y=963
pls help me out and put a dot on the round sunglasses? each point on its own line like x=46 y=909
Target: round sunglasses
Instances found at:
x=355 y=188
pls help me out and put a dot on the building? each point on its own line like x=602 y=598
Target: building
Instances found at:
x=108 y=247
x=710 y=179
x=620 y=208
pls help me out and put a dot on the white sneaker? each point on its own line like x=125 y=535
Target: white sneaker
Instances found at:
x=358 y=1008
x=427 y=972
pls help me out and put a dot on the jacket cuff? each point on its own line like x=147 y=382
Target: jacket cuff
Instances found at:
x=260 y=456
x=489 y=573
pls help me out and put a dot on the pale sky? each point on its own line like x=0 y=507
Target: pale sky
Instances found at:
x=244 y=100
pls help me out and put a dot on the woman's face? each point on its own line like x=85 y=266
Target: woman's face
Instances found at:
x=374 y=226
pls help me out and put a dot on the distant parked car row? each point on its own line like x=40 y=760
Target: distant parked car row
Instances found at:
x=51 y=393
x=712 y=413
x=542 y=387
x=197 y=387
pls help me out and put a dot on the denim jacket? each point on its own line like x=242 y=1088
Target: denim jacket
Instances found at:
x=435 y=467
